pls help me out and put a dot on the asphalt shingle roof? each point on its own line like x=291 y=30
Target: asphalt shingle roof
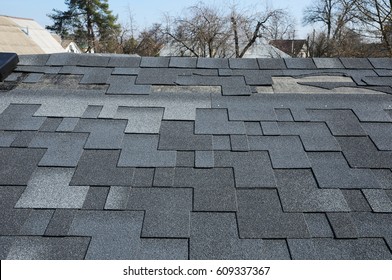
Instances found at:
x=114 y=157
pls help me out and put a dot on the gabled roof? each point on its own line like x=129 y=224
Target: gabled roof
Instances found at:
x=25 y=36
x=117 y=157
x=291 y=47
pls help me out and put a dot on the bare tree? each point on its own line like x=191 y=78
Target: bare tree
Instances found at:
x=335 y=15
x=318 y=44
x=210 y=32
x=247 y=28
x=150 y=41
x=203 y=33
x=281 y=27
x=376 y=15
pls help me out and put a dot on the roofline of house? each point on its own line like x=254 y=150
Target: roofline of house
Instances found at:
x=17 y=17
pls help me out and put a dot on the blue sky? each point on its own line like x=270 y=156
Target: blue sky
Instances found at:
x=144 y=12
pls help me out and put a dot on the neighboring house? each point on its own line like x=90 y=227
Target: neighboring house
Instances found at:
x=265 y=50
x=295 y=48
x=25 y=36
x=261 y=49
x=70 y=46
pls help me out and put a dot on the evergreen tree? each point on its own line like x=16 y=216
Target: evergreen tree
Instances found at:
x=86 y=22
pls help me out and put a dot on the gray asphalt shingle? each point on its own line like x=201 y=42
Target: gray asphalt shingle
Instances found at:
x=264 y=205
x=253 y=128
x=285 y=151
x=51 y=124
x=356 y=63
x=343 y=225
x=117 y=198
x=213 y=188
x=314 y=136
x=164 y=177
x=37 y=222
x=214 y=236
x=181 y=136
x=299 y=192
x=356 y=201
x=141 y=150
x=168 y=215
x=104 y=134
x=124 y=61
x=23 y=139
x=339 y=249
x=96 y=198
x=297 y=63
x=92 y=112
x=60 y=222
x=239 y=143
x=251 y=169
x=318 y=225
x=143 y=177
x=49 y=188
x=245 y=63
x=126 y=85
x=333 y=63
x=332 y=171
x=48 y=248
x=20 y=117
x=204 y=159
x=17 y=165
x=360 y=152
x=183 y=62
x=12 y=219
x=271 y=63
x=185 y=159
x=216 y=121
x=114 y=234
x=99 y=167
x=378 y=200
x=340 y=122
x=141 y=120
x=7 y=138
x=380 y=133
x=63 y=149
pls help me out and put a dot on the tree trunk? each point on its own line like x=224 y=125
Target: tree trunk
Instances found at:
x=253 y=39
x=235 y=30
x=90 y=28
